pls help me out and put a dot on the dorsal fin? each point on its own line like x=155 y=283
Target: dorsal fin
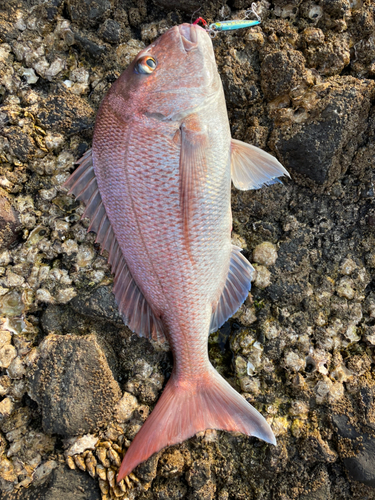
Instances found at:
x=135 y=310
x=235 y=290
x=252 y=167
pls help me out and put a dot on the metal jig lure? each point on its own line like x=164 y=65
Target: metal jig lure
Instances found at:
x=232 y=25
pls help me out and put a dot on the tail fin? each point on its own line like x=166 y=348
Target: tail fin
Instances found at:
x=186 y=408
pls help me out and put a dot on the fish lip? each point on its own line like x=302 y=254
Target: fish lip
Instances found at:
x=189 y=36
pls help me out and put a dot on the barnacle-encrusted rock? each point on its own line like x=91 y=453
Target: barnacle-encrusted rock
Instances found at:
x=9 y=221
x=57 y=482
x=73 y=385
x=63 y=112
x=100 y=303
x=357 y=449
x=323 y=147
x=300 y=348
x=287 y=69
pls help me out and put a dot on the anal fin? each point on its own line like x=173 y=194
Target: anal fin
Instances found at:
x=134 y=308
x=235 y=290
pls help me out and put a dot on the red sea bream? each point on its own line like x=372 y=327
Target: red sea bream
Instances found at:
x=156 y=186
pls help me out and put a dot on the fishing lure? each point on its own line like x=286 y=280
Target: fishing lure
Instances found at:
x=231 y=25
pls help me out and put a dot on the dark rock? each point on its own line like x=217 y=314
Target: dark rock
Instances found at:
x=357 y=451
x=64 y=320
x=281 y=72
x=110 y=31
x=92 y=48
x=73 y=385
x=61 y=484
x=88 y=12
x=174 y=489
x=65 y=112
x=9 y=222
x=336 y=8
x=59 y=319
x=20 y=143
x=8 y=32
x=318 y=487
x=100 y=304
x=185 y=5
x=146 y=471
x=288 y=289
x=199 y=474
x=323 y=148
x=315 y=450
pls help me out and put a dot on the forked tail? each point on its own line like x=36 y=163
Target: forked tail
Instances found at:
x=188 y=407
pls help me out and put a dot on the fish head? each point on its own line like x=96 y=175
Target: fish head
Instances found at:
x=173 y=75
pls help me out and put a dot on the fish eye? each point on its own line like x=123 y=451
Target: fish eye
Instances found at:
x=145 y=65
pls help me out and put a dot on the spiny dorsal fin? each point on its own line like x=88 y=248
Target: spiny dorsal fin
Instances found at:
x=252 y=167
x=235 y=290
x=133 y=307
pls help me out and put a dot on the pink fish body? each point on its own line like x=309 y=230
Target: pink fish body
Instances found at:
x=157 y=191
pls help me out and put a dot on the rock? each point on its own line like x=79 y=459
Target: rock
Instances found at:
x=282 y=71
x=199 y=479
x=10 y=225
x=357 y=451
x=318 y=487
x=5 y=338
x=60 y=484
x=323 y=147
x=64 y=112
x=6 y=408
x=11 y=304
x=44 y=470
x=89 y=12
x=110 y=31
x=125 y=407
x=262 y=277
x=82 y=444
x=20 y=143
x=7 y=355
x=185 y=5
x=92 y=48
x=100 y=304
x=329 y=58
x=17 y=419
x=73 y=385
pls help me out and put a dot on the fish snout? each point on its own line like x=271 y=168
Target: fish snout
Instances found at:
x=189 y=36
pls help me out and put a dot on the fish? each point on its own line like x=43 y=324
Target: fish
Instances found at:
x=157 y=190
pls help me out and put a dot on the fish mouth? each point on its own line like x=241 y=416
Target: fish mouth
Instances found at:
x=189 y=36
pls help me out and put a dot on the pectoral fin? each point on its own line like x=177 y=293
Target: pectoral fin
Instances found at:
x=251 y=167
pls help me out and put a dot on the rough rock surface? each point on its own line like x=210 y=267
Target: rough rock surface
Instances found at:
x=301 y=348
x=9 y=222
x=73 y=385
x=60 y=484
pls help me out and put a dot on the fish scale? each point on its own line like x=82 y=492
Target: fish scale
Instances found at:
x=157 y=192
